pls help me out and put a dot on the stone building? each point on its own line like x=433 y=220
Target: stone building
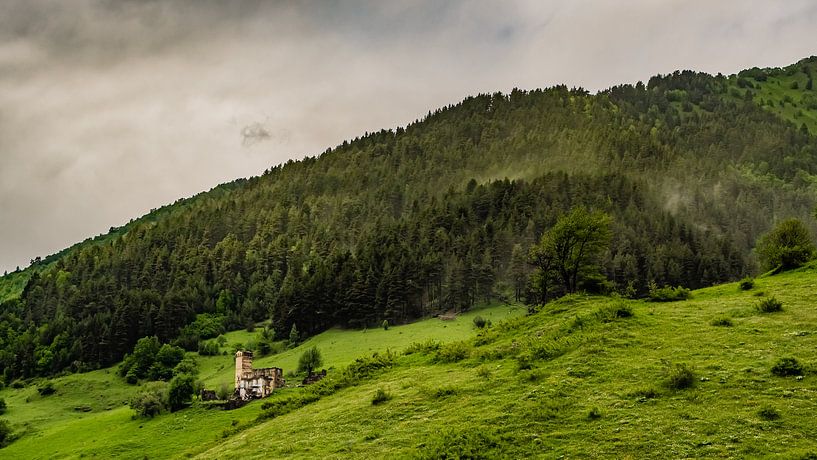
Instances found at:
x=255 y=383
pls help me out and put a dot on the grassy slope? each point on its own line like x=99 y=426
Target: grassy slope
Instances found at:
x=486 y=402
x=777 y=95
x=53 y=427
x=609 y=366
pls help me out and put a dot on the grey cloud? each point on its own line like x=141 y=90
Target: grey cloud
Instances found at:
x=110 y=108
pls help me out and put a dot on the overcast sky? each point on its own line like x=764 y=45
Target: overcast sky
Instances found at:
x=111 y=108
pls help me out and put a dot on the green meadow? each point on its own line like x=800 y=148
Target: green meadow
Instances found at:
x=583 y=377
x=88 y=416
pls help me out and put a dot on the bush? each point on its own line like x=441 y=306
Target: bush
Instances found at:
x=770 y=305
x=668 y=293
x=385 y=325
x=746 y=283
x=46 y=389
x=788 y=245
x=722 y=322
x=479 y=322
x=180 y=392
x=208 y=348
x=594 y=414
x=484 y=372
x=423 y=348
x=223 y=393
x=643 y=394
x=768 y=413
x=680 y=377
x=453 y=352
x=5 y=433
x=150 y=402
x=3 y=406
x=785 y=367
x=188 y=365
x=380 y=396
x=454 y=443
x=612 y=312
x=443 y=392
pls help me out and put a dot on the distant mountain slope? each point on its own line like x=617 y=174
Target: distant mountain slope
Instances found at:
x=434 y=216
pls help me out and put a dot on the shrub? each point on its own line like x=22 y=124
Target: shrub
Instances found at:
x=188 y=365
x=746 y=283
x=423 y=348
x=46 y=389
x=445 y=391
x=150 y=402
x=722 y=322
x=380 y=396
x=668 y=293
x=453 y=352
x=180 y=391
x=208 y=348
x=385 y=325
x=594 y=414
x=785 y=367
x=5 y=433
x=2 y=406
x=479 y=322
x=770 y=305
x=768 y=413
x=453 y=443
x=484 y=372
x=223 y=393
x=613 y=312
x=644 y=394
x=680 y=377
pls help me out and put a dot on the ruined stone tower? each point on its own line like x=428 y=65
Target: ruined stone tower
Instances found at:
x=243 y=364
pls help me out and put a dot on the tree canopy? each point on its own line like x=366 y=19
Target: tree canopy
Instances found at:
x=788 y=245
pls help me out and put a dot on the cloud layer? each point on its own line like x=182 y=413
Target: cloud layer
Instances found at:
x=110 y=108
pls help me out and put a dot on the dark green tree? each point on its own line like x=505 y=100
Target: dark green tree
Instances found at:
x=310 y=360
x=576 y=244
x=180 y=391
x=788 y=245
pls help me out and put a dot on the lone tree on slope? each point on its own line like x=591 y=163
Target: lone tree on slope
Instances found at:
x=788 y=245
x=310 y=360
x=570 y=251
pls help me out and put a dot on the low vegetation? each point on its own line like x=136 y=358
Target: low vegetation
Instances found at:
x=770 y=305
x=668 y=293
x=786 y=367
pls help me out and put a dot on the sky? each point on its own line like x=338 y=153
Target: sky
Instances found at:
x=111 y=108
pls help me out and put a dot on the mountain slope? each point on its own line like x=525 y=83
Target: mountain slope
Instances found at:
x=537 y=386
x=402 y=224
x=599 y=377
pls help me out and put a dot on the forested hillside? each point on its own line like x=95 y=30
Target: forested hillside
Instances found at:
x=440 y=215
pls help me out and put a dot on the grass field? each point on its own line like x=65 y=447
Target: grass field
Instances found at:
x=89 y=417
x=594 y=388
x=584 y=377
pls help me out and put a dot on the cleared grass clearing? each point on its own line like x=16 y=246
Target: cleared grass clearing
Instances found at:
x=340 y=347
